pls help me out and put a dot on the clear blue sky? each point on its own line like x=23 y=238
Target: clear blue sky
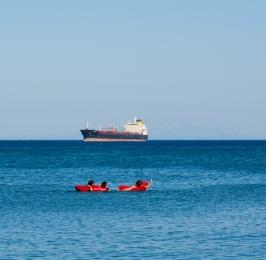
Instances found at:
x=190 y=69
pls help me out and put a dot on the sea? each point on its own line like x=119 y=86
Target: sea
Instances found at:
x=207 y=200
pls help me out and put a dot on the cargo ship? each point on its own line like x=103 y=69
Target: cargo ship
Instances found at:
x=133 y=132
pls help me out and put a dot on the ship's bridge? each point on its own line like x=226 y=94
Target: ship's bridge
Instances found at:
x=137 y=127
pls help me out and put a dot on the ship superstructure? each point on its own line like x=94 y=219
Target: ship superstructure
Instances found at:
x=133 y=132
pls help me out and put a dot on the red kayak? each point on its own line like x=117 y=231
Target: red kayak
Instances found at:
x=125 y=187
x=143 y=187
x=86 y=188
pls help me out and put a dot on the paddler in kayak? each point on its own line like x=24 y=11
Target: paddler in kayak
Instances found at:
x=102 y=187
x=90 y=184
x=91 y=187
x=94 y=187
x=140 y=185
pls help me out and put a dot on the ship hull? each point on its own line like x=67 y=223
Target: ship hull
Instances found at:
x=102 y=136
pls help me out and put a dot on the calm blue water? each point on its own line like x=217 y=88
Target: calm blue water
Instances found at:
x=208 y=200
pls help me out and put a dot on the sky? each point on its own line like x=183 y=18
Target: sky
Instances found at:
x=189 y=69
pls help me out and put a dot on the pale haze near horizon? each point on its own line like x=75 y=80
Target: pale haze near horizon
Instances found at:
x=190 y=69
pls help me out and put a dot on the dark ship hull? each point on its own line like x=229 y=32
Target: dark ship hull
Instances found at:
x=112 y=136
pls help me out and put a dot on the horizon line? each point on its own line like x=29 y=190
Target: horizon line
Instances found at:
x=81 y=140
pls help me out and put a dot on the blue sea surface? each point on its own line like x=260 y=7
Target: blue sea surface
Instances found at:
x=208 y=200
